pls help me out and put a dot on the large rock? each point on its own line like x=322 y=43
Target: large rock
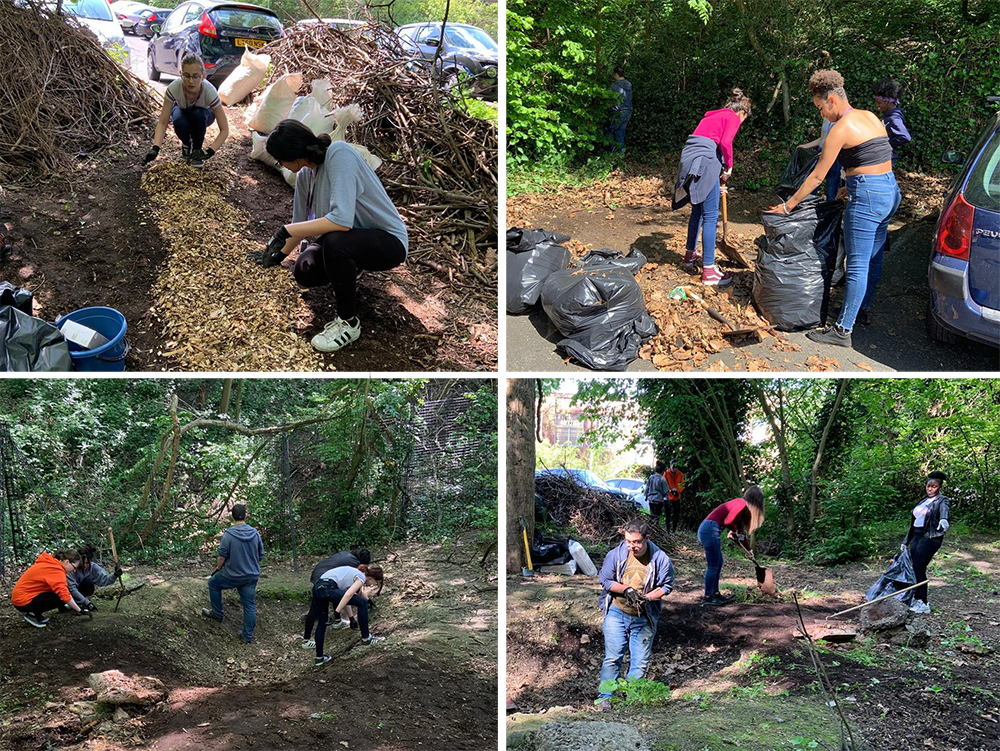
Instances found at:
x=884 y=615
x=588 y=736
x=114 y=687
x=915 y=637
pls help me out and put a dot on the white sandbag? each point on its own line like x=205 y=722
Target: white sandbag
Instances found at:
x=321 y=89
x=373 y=161
x=307 y=111
x=582 y=559
x=289 y=176
x=342 y=117
x=275 y=104
x=259 y=151
x=245 y=78
x=567 y=568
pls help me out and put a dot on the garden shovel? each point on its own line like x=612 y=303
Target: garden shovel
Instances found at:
x=729 y=250
x=526 y=571
x=765 y=579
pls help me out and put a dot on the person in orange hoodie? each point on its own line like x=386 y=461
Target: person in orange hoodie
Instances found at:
x=43 y=586
x=675 y=483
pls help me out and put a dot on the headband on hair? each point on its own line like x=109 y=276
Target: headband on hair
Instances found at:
x=887 y=99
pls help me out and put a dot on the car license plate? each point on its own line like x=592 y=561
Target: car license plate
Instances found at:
x=252 y=43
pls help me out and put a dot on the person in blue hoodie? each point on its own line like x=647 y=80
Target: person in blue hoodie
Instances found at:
x=635 y=577
x=237 y=567
x=621 y=111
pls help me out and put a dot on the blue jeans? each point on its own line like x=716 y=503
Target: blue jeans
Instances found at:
x=710 y=536
x=615 y=130
x=872 y=200
x=248 y=599
x=705 y=217
x=190 y=124
x=621 y=629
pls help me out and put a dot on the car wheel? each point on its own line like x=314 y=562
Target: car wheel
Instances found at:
x=935 y=330
x=151 y=72
x=449 y=79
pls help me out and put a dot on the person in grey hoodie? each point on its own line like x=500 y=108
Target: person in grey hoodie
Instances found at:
x=237 y=567
x=84 y=581
x=621 y=111
x=635 y=577
x=656 y=491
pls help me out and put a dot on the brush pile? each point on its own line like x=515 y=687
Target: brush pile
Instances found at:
x=62 y=94
x=594 y=514
x=440 y=164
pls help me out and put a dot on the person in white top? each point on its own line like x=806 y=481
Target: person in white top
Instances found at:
x=343 y=586
x=192 y=103
x=928 y=524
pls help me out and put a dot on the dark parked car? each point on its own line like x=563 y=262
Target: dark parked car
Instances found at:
x=465 y=51
x=964 y=271
x=587 y=479
x=218 y=32
x=148 y=19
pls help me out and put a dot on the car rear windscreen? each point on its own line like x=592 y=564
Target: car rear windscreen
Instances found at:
x=983 y=188
x=237 y=18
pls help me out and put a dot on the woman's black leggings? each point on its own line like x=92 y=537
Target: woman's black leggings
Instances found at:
x=41 y=603
x=922 y=549
x=325 y=592
x=338 y=257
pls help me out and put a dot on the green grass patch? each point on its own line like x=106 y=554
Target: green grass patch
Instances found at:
x=550 y=178
x=958 y=633
x=864 y=653
x=640 y=692
x=283 y=592
x=969 y=577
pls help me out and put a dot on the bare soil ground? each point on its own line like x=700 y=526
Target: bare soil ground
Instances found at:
x=434 y=680
x=90 y=238
x=732 y=670
x=632 y=208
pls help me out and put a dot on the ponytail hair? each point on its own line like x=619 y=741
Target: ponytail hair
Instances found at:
x=738 y=102
x=292 y=140
x=754 y=497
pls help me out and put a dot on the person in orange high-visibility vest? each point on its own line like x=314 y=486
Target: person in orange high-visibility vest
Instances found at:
x=43 y=586
x=675 y=484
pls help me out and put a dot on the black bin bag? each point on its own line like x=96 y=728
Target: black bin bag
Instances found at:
x=634 y=261
x=601 y=312
x=18 y=297
x=799 y=167
x=532 y=254
x=791 y=281
x=901 y=573
x=31 y=345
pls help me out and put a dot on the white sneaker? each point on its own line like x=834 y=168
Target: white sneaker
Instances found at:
x=336 y=335
x=373 y=640
x=340 y=624
x=921 y=607
x=308 y=643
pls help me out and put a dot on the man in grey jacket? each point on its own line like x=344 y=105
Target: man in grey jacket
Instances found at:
x=656 y=491
x=237 y=567
x=635 y=577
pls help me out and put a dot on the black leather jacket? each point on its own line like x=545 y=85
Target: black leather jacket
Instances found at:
x=938 y=511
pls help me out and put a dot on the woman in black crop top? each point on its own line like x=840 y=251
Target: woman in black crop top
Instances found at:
x=859 y=141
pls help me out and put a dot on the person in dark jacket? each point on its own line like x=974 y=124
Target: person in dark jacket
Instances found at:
x=888 y=97
x=656 y=491
x=928 y=523
x=237 y=567
x=741 y=517
x=635 y=577
x=621 y=112
x=341 y=587
x=706 y=163
x=346 y=558
x=84 y=581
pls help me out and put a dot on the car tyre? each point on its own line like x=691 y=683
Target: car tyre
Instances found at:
x=151 y=72
x=935 y=330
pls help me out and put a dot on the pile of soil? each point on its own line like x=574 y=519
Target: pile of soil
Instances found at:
x=435 y=677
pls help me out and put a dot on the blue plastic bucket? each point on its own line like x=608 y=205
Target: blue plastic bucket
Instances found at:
x=111 y=325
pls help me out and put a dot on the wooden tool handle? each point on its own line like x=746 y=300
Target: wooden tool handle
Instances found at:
x=725 y=211
x=878 y=599
x=114 y=550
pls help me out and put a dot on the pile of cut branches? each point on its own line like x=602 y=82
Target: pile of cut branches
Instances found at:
x=440 y=164
x=62 y=94
x=594 y=514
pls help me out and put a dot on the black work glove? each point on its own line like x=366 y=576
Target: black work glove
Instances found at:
x=90 y=606
x=207 y=153
x=153 y=153
x=85 y=614
x=118 y=571
x=633 y=598
x=272 y=255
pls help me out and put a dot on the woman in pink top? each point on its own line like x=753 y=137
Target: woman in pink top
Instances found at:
x=706 y=160
x=740 y=515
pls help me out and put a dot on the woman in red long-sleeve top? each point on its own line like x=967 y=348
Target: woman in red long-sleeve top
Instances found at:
x=43 y=586
x=740 y=516
x=706 y=160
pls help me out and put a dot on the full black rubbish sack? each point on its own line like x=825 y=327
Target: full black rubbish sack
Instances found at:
x=532 y=254
x=799 y=167
x=601 y=312
x=31 y=345
x=18 y=297
x=549 y=551
x=899 y=572
x=634 y=261
x=791 y=281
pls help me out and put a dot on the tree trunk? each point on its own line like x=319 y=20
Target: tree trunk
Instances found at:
x=227 y=389
x=842 y=385
x=236 y=401
x=778 y=427
x=520 y=467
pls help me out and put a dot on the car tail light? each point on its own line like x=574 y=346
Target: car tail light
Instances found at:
x=150 y=18
x=955 y=230
x=207 y=26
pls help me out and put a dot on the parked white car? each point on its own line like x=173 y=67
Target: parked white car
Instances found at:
x=635 y=488
x=96 y=15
